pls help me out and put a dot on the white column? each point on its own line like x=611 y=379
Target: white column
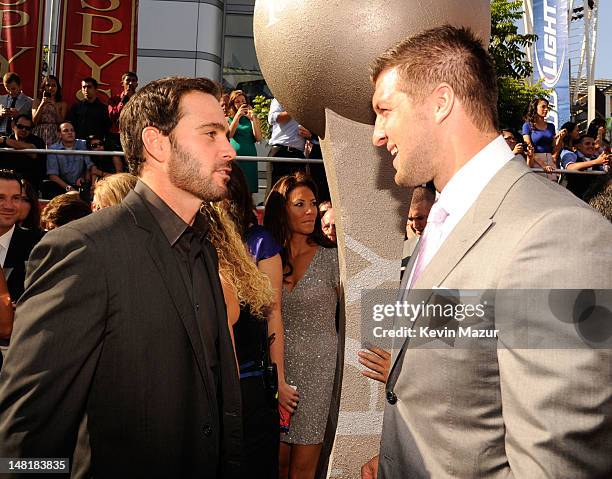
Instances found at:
x=179 y=37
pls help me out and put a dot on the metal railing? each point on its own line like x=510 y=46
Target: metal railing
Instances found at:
x=32 y=151
x=265 y=159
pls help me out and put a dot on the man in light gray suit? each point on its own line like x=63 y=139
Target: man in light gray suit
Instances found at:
x=499 y=408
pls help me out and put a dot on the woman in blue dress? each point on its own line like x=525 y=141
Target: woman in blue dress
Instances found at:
x=540 y=137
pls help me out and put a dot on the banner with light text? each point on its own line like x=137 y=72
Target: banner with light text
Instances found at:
x=551 y=55
x=21 y=41
x=97 y=38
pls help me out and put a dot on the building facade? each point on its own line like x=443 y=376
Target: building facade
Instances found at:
x=210 y=38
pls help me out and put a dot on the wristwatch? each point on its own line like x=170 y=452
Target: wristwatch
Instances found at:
x=69 y=188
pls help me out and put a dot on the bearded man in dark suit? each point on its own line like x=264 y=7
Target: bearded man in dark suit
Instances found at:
x=121 y=358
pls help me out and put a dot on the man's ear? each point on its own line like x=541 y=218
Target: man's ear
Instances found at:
x=443 y=101
x=156 y=144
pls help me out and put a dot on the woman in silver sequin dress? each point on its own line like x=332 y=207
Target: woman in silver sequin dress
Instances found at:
x=310 y=298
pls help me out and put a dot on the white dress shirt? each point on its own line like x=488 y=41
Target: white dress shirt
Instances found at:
x=465 y=186
x=285 y=134
x=5 y=242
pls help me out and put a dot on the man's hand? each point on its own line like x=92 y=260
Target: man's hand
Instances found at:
x=602 y=159
x=518 y=149
x=378 y=362
x=303 y=132
x=370 y=469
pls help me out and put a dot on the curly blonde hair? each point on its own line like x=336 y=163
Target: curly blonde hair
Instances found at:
x=253 y=287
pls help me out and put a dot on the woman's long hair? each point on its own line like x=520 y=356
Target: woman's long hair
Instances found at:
x=252 y=287
x=231 y=108
x=111 y=190
x=568 y=142
x=532 y=110
x=239 y=203
x=45 y=81
x=276 y=220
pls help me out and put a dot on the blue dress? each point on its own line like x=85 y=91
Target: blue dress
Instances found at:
x=542 y=139
x=261 y=244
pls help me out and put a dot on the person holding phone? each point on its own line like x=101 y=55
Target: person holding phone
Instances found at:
x=541 y=136
x=14 y=103
x=244 y=131
x=49 y=111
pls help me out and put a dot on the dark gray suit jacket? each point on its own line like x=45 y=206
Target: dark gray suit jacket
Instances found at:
x=502 y=408
x=106 y=362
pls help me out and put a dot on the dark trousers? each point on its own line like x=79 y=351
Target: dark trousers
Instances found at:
x=280 y=169
x=317 y=171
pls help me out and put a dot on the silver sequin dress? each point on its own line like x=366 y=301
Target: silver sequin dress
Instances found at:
x=311 y=343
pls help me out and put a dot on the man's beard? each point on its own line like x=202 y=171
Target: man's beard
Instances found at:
x=184 y=173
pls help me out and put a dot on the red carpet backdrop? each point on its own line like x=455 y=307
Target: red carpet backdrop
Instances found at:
x=97 y=38
x=21 y=31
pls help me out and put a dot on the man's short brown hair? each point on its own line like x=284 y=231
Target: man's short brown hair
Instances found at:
x=451 y=55
x=156 y=105
x=11 y=77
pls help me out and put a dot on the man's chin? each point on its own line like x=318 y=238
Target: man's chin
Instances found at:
x=218 y=194
x=409 y=181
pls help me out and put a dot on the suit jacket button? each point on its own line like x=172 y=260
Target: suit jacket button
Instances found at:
x=391 y=397
x=207 y=429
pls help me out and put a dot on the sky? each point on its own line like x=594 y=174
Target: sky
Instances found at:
x=603 y=57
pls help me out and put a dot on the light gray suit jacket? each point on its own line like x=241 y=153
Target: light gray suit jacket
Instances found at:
x=486 y=411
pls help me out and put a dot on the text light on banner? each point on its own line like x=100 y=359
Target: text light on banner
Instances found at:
x=21 y=30
x=97 y=39
x=551 y=55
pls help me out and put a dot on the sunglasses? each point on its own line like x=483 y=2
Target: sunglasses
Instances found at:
x=96 y=144
x=23 y=127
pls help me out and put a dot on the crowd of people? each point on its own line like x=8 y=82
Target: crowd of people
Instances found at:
x=568 y=149
x=222 y=363
x=47 y=122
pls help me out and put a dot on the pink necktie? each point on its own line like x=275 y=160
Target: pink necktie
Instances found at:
x=431 y=240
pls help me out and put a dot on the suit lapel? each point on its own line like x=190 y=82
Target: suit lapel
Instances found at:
x=408 y=270
x=464 y=236
x=474 y=224
x=167 y=265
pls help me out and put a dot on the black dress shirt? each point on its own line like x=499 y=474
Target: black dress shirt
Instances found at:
x=90 y=119
x=192 y=250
